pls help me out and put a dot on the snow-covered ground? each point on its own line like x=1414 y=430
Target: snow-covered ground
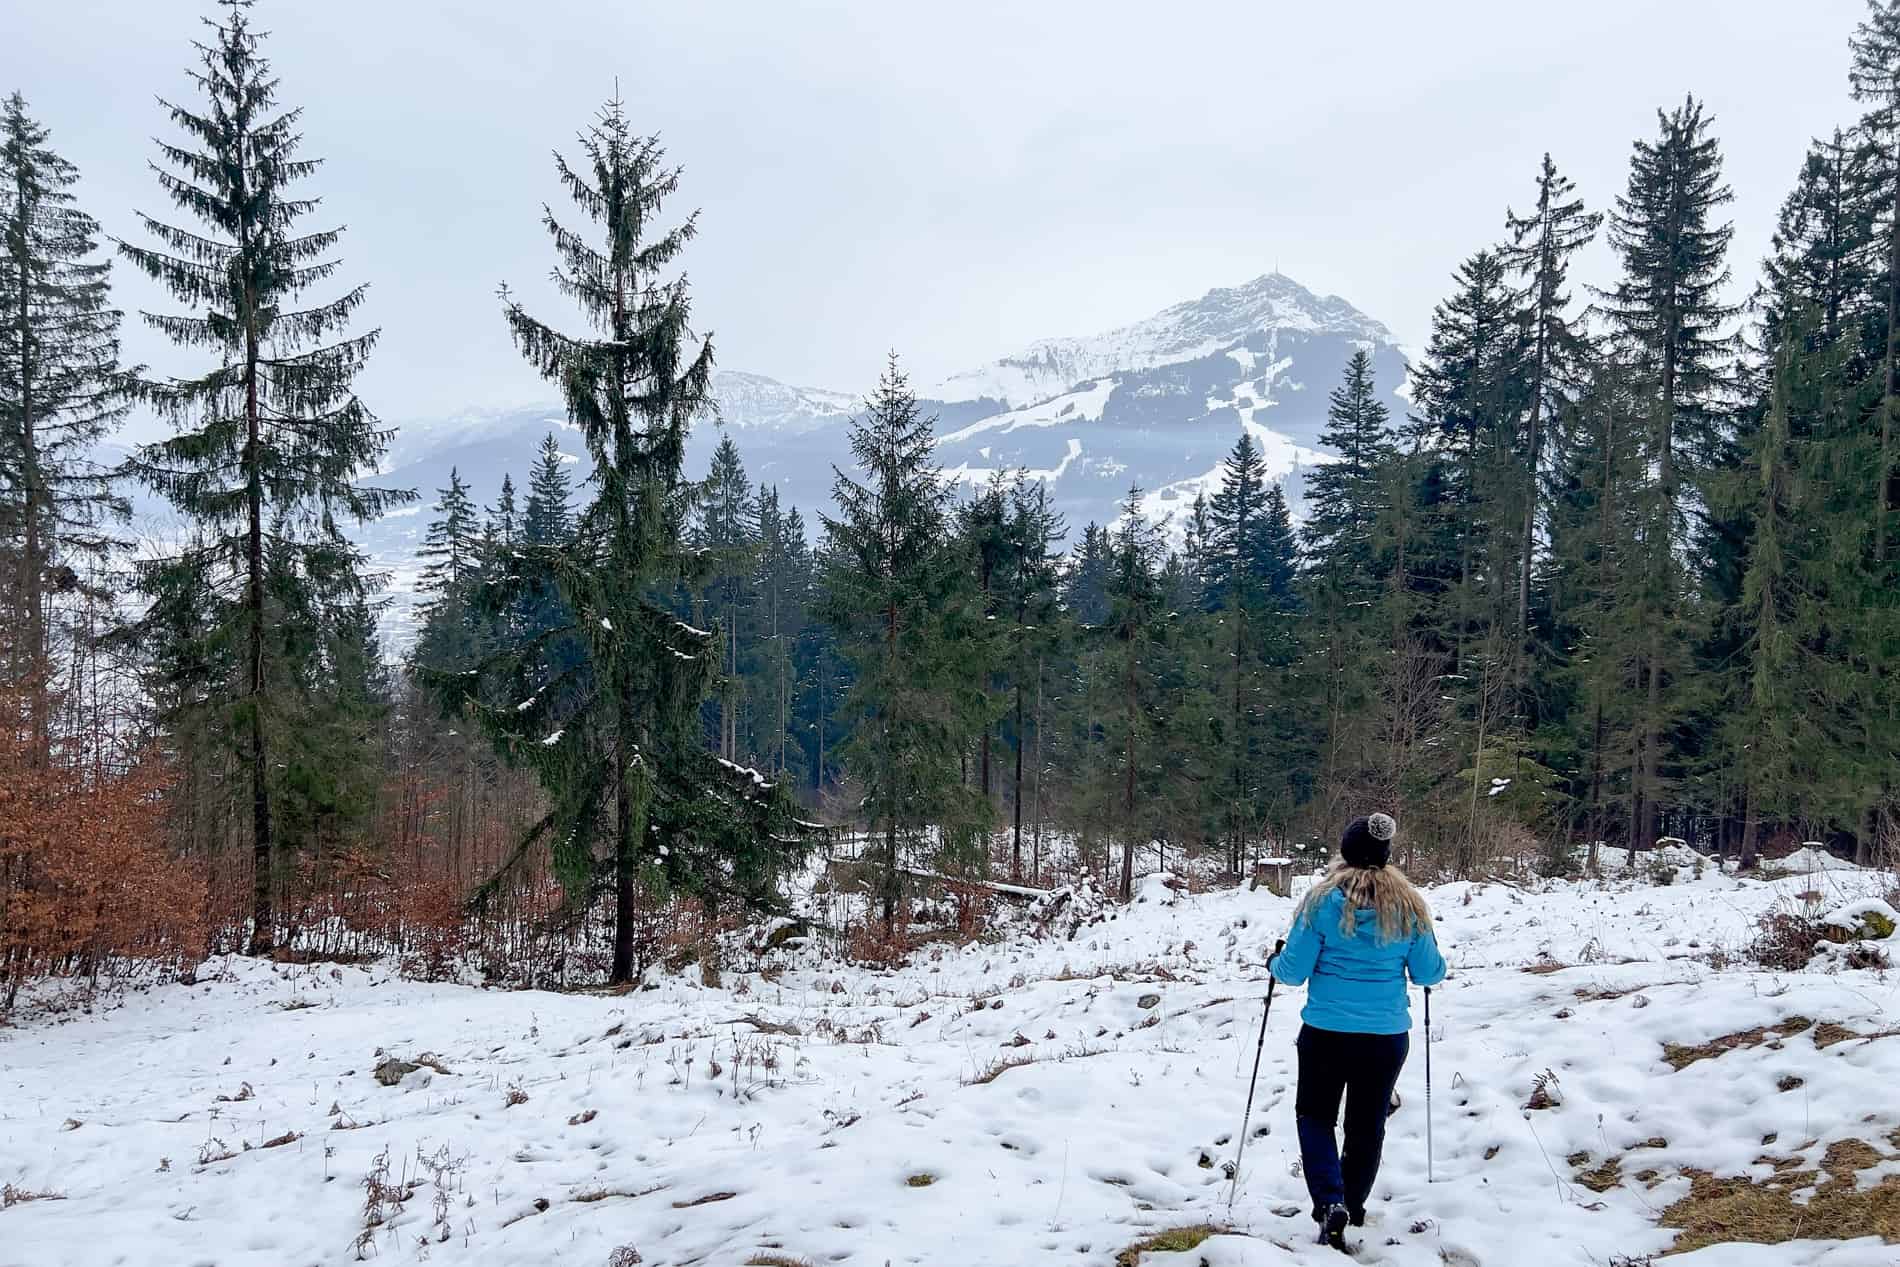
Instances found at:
x=831 y=1114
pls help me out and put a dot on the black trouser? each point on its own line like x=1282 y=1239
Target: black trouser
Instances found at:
x=1365 y=1067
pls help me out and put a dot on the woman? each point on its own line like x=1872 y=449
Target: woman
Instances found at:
x=1356 y=937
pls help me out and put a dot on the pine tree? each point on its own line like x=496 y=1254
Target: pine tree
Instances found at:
x=548 y=518
x=452 y=544
x=1825 y=254
x=61 y=392
x=1345 y=500
x=896 y=592
x=450 y=641
x=1085 y=582
x=1875 y=79
x=1342 y=495
x=1595 y=609
x=1135 y=631
x=273 y=431
x=614 y=740
x=727 y=516
x=983 y=524
x=1027 y=590
x=1668 y=314
x=1238 y=561
x=503 y=529
x=781 y=590
x=1539 y=257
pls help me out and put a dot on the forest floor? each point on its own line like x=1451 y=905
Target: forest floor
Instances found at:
x=1035 y=1099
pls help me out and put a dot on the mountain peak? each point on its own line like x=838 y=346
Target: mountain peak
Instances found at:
x=1221 y=318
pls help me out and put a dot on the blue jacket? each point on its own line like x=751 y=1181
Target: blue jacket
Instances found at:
x=1358 y=982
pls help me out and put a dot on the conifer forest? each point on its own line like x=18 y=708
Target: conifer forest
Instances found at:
x=1626 y=571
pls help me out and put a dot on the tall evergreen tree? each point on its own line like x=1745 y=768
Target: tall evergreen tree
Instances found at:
x=1238 y=561
x=1345 y=500
x=727 y=518
x=452 y=552
x=61 y=392
x=1538 y=255
x=1668 y=313
x=1136 y=629
x=548 y=517
x=898 y=595
x=1026 y=588
x=1874 y=76
x=273 y=431
x=503 y=528
x=615 y=741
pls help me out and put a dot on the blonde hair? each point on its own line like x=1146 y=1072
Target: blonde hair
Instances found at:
x=1383 y=890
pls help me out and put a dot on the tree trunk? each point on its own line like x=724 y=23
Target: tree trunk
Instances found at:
x=626 y=833
x=1891 y=401
x=1035 y=866
x=1128 y=790
x=1016 y=807
x=1751 y=828
x=263 y=934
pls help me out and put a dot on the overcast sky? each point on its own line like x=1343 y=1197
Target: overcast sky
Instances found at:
x=954 y=179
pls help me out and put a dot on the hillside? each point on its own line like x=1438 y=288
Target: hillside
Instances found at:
x=1609 y=1076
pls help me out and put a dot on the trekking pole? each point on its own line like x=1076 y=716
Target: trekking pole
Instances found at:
x=1253 y=1081
x=1428 y=1086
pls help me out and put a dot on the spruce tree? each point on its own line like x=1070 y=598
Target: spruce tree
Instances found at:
x=272 y=431
x=1136 y=629
x=1825 y=255
x=727 y=516
x=452 y=551
x=1345 y=500
x=503 y=527
x=1668 y=314
x=548 y=518
x=1874 y=76
x=1342 y=495
x=1027 y=589
x=1538 y=255
x=1238 y=562
x=452 y=545
x=61 y=392
x=614 y=740
x=899 y=596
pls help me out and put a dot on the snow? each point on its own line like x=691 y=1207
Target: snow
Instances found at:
x=606 y=624
x=792 y=1114
x=553 y=739
x=1812 y=856
x=1219 y=320
x=979 y=476
x=1084 y=404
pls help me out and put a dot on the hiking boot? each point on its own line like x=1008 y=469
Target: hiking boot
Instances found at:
x=1332 y=1229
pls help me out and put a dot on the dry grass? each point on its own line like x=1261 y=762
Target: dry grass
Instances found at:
x=775 y=1260
x=11 y=1196
x=997 y=1068
x=1719 y=1211
x=1600 y=1178
x=922 y=1179
x=708 y=1199
x=1681 y=1056
x=1173 y=1241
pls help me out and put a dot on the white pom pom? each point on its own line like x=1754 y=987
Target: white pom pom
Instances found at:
x=1382 y=826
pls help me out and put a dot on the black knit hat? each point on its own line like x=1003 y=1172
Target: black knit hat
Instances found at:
x=1367 y=842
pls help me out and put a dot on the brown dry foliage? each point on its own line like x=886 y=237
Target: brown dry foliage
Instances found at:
x=86 y=887
x=1721 y=1210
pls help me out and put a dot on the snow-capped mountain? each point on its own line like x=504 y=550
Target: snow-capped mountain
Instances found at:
x=1222 y=318
x=1158 y=403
